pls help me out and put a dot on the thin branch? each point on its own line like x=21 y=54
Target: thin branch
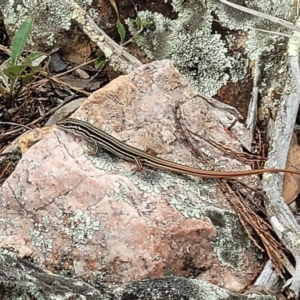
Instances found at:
x=253 y=12
x=118 y=58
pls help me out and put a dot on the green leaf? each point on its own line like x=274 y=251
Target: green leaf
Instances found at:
x=100 y=61
x=26 y=63
x=122 y=31
x=20 y=40
x=30 y=58
x=114 y=5
x=34 y=55
x=26 y=78
x=145 y=23
x=138 y=22
x=13 y=72
x=139 y=39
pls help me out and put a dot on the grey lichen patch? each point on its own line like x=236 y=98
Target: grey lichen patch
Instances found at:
x=121 y=193
x=198 y=52
x=231 y=239
x=23 y=280
x=93 y=13
x=170 y=288
x=103 y=160
x=49 y=16
x=80 y=228
x=176 y=188
x=84 y=2
x=196 y=194
x=39 y=235
x=150 y=181
x=187 y=208
x=9 y=226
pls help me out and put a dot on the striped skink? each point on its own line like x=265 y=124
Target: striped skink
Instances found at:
x=141 y=158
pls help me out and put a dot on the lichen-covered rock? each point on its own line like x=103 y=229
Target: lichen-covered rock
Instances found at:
x=95 y=218
x=21 y=279
x=200 y=48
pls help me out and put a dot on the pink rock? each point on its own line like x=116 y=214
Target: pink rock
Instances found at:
x=96 y=217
